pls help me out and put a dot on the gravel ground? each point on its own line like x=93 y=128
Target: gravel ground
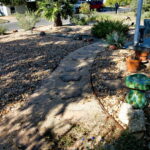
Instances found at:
x=27 y=58
x=108 y=73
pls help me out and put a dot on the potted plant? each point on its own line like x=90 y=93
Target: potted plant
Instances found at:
x=115 y=40
x=133 y=63
x=142 y=55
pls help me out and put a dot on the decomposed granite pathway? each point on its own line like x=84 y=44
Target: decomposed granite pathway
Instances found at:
x=64 y=105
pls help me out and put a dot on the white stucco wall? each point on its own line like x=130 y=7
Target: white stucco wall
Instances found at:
x=5 y=10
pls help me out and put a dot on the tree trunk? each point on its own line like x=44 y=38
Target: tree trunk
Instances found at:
x=58 y=21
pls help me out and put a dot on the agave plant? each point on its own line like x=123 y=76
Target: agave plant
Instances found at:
x=116 y=39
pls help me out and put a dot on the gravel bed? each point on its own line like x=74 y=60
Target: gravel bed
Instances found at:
x=25 y=60
x=107 y=74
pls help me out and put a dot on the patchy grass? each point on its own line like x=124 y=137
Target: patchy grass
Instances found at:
x=67 y=139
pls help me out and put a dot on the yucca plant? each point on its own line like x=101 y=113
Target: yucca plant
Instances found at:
x=55 y=10
x=27 y=20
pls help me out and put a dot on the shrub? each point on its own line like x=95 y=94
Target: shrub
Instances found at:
x=104 y=27
x=79 y=20
x=2 y=30
x=116 y=39
x=85 y=8
x=27 y=20
x=146 y=15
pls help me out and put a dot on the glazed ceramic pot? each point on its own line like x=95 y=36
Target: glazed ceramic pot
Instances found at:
x=136 y=98
x=133 y=65
x=138 y=82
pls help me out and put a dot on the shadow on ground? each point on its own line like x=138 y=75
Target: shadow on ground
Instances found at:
x=26 y=60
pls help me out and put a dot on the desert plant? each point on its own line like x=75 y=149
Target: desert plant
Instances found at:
x=85 y=8
x=27 y=20
x=146 y=15
x=79 y=20
x=56 y=10
x=2 y=30
x=116 y=39
x=106 y=26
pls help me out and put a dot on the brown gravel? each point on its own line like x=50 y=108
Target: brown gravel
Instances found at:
x=26 y=59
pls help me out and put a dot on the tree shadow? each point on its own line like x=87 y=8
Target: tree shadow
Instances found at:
x=21 y=59
x=25 y=63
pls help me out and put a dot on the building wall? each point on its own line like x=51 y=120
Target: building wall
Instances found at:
x=5 y=10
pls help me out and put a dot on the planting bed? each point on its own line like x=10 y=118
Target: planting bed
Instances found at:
x=107 y=75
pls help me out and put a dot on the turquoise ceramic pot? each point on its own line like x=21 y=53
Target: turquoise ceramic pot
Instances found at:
x=138 y=81
x=136 y=98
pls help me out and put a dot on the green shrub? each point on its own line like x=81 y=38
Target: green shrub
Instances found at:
x=2 y=30
x=104 y=27
x=146 y=15
x=79 y=20
x=85 y=8
x=27 y=20
x=116 y=38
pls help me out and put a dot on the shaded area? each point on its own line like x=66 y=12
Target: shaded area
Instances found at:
x=26 y=60
x=108 y=73
x=51 y=113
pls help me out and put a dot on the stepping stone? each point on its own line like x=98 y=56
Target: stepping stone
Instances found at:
x=69 y=69
x=67 y=78
x=76 y=57
x=72 y=94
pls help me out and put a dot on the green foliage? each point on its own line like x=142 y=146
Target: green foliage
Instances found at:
x=146 y=5
x=2 y=30
x=104 y=27
x=116 y=38
x=85 y=8
x=133 y=5
x=54 y=10
x=79 y=20
x=121 y=2
x=27 y=20
x=146 y=15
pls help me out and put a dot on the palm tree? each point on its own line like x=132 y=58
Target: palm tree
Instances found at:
x=55 y=10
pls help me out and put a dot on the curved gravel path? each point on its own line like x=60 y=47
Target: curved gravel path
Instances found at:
x=64 y=104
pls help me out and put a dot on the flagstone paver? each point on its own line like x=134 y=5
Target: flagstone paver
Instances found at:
x=64 y=99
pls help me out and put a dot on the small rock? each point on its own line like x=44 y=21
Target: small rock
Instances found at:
x=14 y=31
x=67 y=78
x=124 y=112
x=77 y=37
x=134 y=119
x=42 y=33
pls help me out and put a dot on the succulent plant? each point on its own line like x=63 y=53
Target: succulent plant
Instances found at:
x=116 y=39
